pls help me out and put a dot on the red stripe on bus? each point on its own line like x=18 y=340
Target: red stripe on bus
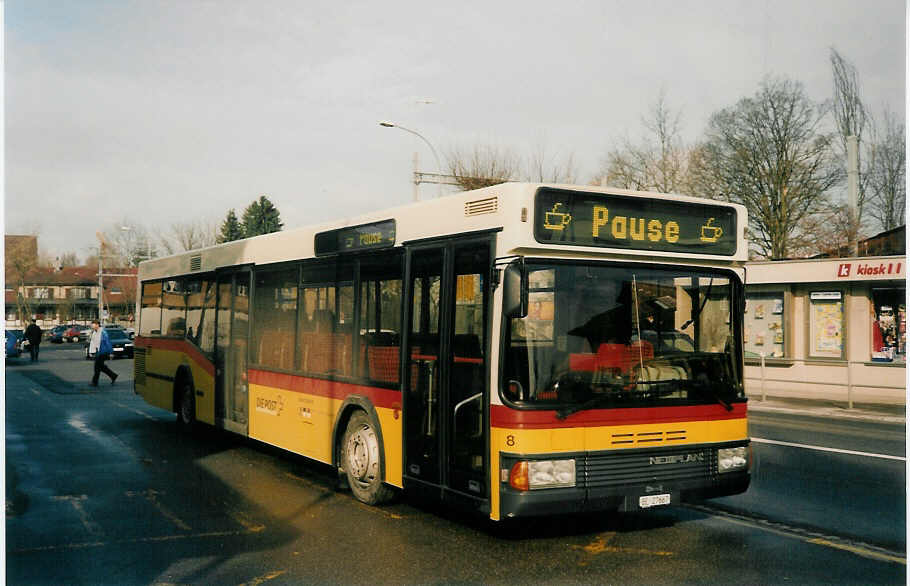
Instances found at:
x=502 y=416
x=181 y=346
x=387 y=398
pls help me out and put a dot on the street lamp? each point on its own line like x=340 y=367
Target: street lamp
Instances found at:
x=423 y=138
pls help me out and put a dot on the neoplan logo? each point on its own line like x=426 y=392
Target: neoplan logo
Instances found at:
x=677 y=459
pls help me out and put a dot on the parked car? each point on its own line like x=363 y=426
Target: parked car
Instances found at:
x=55 y=334
x=11 y=349
x=122 y=345
x=20 y=338
x=76 y=333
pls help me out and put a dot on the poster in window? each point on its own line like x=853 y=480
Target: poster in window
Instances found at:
x=826 y=329
x=760 y=311
x=778 y=307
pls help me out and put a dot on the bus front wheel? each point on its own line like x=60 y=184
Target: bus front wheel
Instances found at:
x=362 y=461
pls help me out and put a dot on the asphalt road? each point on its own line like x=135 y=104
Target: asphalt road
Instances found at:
x=103 y=489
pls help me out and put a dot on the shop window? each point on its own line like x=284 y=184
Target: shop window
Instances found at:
x=763 y=326
x=889 y=325
x=826 y=324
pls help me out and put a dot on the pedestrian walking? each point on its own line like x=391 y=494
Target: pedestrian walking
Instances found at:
x=100 y=345
x=33 y=335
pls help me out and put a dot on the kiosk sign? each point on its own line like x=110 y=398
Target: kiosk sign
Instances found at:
x=633 y=222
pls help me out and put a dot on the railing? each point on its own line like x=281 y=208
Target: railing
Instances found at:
x=849 y=384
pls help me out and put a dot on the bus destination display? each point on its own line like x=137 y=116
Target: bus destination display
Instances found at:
x=365 y=237
x=636 y=223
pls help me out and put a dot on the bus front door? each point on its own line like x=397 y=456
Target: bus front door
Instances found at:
x=445 y=399
x=232 y=334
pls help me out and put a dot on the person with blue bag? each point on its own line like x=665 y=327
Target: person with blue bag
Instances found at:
x=100 y=346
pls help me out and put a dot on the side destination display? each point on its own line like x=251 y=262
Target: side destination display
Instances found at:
x=637 y=223
x=365 y=237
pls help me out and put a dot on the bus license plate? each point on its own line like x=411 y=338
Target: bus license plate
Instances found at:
x=653 y=500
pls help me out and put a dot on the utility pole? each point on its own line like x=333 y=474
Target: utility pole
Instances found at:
x=853 y=191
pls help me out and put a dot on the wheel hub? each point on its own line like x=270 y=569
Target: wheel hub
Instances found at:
x=363 y=450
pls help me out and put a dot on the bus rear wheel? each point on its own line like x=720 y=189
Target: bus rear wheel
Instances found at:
x=186 y=406
x=362 y=460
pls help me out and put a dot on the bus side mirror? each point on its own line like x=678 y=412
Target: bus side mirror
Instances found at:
x=515 y=290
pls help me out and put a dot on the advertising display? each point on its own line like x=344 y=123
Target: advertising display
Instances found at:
x=826 y=324
x=763 y=333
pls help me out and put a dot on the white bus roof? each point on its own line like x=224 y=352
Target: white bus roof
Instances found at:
x=508 y=207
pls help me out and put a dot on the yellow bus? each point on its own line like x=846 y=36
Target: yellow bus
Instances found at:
x=522 y=349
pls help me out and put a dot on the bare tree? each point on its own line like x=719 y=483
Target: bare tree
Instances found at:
x=852 y=119
x=21 y=257
x=128 y=243
x=482 y=166
x=887 y=189
x=768 y=153
x=659 y=161
x=184 y=236
x=544 y=168
x=829 y=231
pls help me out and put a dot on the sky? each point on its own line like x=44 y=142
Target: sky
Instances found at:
x=149 y=113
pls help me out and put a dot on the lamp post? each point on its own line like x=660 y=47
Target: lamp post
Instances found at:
x=423 y=138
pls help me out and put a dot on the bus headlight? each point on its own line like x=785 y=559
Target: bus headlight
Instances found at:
x=732 y=459
x=537 y=474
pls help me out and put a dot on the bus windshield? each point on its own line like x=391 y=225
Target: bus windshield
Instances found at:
x=599 y=336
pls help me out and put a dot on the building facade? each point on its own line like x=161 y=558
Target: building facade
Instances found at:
x=69 y=295
x=827 y=328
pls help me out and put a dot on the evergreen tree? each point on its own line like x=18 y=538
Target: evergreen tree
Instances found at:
x=231 y=228
x=261 y=217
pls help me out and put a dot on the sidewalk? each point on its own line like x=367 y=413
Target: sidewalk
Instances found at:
x=861 y=411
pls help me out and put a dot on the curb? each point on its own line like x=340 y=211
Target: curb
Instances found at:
x=828 y=411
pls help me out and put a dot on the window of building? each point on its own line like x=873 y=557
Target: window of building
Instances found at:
x=41 y=293
x=173 y=306
x=889 y=325
x=275 y=317
x=150 y=309
x=826 y=324
x=763 y=326
x=78 y=293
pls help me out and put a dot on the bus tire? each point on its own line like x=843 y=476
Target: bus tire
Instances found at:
x=362 y=461
x=186 y=405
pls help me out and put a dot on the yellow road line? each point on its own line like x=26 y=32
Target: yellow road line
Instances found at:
x=265 y=578
x=860 y=551
x=794 y=533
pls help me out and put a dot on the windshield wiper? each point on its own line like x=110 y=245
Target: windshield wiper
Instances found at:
x=712 y=390
x=601 y=399
x=700 y=309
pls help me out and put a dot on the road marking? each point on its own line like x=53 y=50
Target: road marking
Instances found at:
x=866 y=553
x=860 y=549
x=153 y=539
x=824 y=449
x=151 y=496
x=245 y=521
x=76 y=501
x=600 y=545
x=266 y=578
